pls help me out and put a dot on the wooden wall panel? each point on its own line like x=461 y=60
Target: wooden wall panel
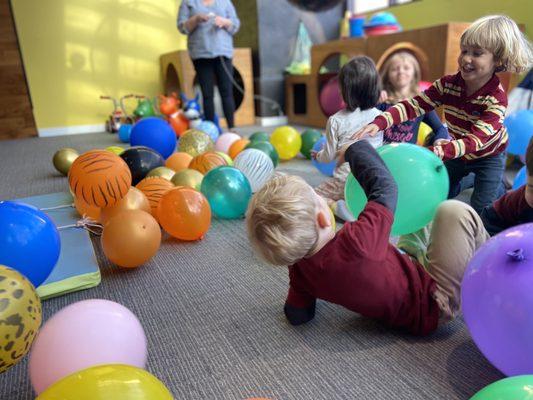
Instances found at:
x=16 y=115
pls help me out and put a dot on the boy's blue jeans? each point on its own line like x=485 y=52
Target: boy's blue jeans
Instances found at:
x=488 y=184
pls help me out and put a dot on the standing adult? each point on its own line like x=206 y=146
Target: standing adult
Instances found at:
x=210 y=26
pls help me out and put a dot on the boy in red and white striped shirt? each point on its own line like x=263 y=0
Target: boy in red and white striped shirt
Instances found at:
x=474 y=105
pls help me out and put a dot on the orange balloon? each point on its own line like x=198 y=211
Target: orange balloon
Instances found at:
x=237 y=146
x=207 y=161
x=99 y=177
x=154 y=188
x=178 y=161
x=131 y=238
x=86 y=210
x=179 y=123
x=184 y=213
x=134 y=200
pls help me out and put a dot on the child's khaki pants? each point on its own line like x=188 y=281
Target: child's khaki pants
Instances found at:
x=445 y=248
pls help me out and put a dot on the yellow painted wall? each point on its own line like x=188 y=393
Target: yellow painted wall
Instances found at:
x=76 y=50
x=432 y=12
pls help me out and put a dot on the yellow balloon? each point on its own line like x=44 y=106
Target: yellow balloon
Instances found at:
x=163 y=172
x=424 y=131
x=63 y=159
x=105 y=382
x=287 y=142
x=188 y=177
x=20 y=316
x=115 y=149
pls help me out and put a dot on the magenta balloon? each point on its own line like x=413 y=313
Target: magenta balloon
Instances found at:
x=330 y=97
x=84 y=334
x=497 y=300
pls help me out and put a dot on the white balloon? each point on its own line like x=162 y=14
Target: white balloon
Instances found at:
x=256 y=166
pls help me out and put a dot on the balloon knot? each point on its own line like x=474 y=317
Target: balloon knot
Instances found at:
x=517 y=255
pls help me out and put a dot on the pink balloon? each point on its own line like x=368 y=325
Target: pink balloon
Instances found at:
x=331 y=98
x=423 y=85
x=84 y=334
x=225 y=141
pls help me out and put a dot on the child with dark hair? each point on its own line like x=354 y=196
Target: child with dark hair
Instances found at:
x=360 y=89
x=513 y=208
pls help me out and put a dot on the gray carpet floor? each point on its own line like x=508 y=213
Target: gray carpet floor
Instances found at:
x=213 y=315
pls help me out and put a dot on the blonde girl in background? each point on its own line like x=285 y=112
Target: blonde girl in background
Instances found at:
x=400 y=76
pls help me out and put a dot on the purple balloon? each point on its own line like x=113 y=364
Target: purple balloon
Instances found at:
x=84 y=334
x=497 y=300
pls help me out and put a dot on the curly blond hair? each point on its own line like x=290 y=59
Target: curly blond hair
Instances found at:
x=500 y=35
x=281 y=220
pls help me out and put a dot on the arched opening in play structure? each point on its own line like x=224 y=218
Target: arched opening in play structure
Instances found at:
x=237 y=95
x=329 y=94
x=315 y=5
x=172 y=81
x=410 y=48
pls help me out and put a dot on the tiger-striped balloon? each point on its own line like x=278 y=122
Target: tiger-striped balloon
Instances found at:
x=100 y=178
x=154 y=187
x=205 y=162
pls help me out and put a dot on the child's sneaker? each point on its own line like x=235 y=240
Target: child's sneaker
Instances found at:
x=340 y=209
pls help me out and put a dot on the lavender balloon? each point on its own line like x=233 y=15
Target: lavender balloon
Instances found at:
x=497 y=300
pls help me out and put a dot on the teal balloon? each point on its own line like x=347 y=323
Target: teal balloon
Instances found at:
x=265 y=147
x=514 y=388
x=259 y=137
x=309 y=138
x=228 y=192
x=422 y=181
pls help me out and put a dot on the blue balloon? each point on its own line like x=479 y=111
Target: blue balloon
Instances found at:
x=520 y=127
x=228 y=192
x=154 y=133
x=29 y=242
x=520 y=178
x=124 y=133
x=326 y=168
x=210 y=128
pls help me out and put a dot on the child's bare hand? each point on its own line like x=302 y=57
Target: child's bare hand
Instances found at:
x=383 y=96
x=368 y=130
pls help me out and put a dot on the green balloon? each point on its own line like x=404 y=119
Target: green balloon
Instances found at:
x=267 y=148
x=422 y=181
x=309 y=138
x=514 y=388
x=259 y=137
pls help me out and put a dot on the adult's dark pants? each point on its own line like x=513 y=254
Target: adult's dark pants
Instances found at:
x=209 y=71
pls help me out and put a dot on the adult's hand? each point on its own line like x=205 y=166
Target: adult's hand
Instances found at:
x=201 y=18
x=221 y=22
